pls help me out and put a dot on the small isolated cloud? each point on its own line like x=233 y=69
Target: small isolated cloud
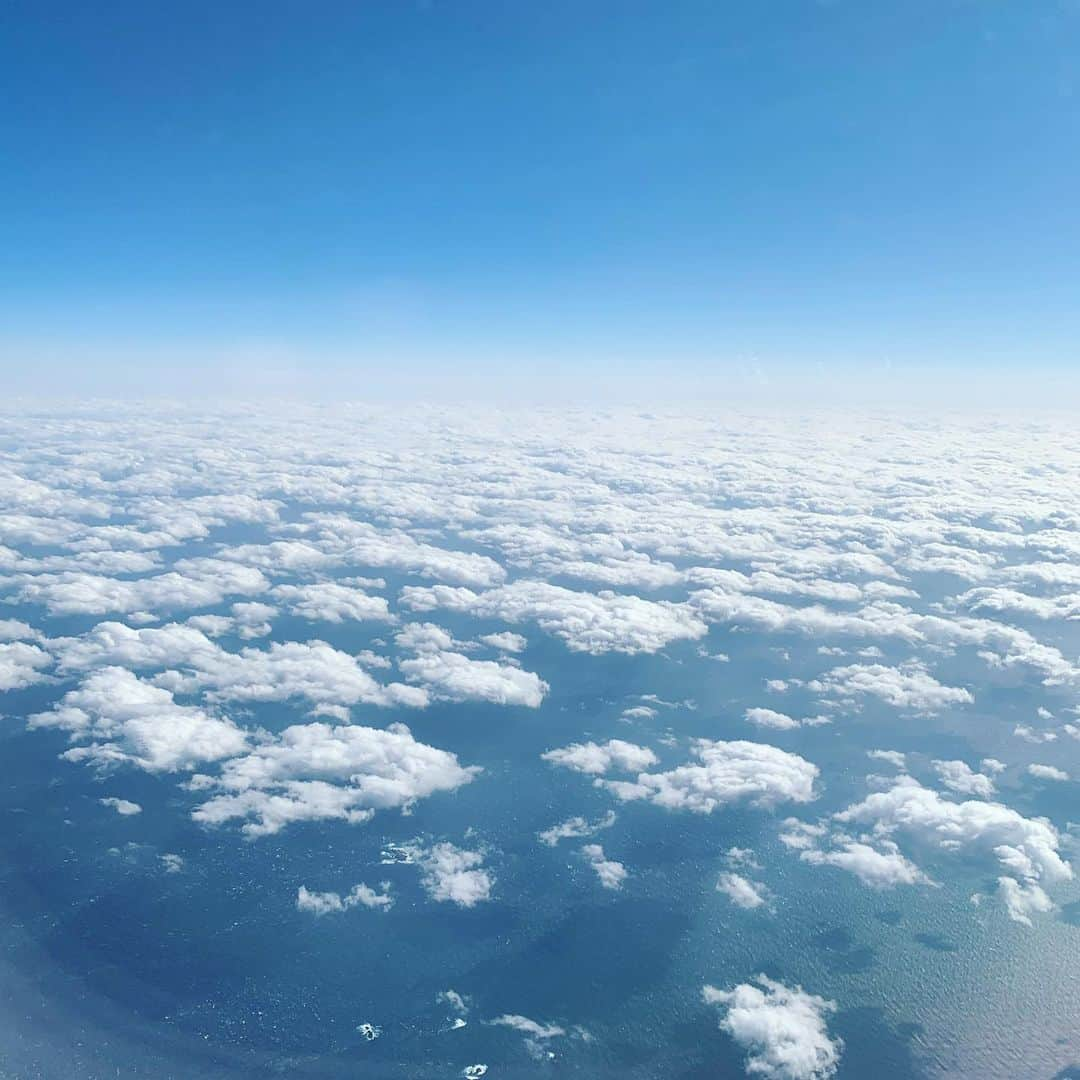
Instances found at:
x=596 y=758
x=778 y=721
x=506 y=641
x=1047 y=772
x=327 y=903
x=611 y=874
x=121 y=806
x=782 y=1029
x=452 y=874
x=574 y=828
x=893 y=757
x=741 y=891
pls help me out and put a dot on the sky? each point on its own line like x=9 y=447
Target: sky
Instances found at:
x=444 y=195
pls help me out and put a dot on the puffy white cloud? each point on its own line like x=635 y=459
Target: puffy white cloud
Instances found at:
x=313 y=772
x=124 y=807
x=611 y=874
x=588 y=622
x=881 y=867
x=1022 y=900
x=958 y=776
x=21 y=664
x=909 y=687
x=194 y=583
x=574 y=828
x=332 y=540
x=1026 y=847
x=333 y=602
x=327 y=903
x=312 y=670
x=505 y=641
x=783 y=1030
x=728 y=772
x=1047 y=772
x=122 y=719
x=778 y=721
x=15 y=630
x=598 y=758
x=452 y=874
x=741 y=891
x=114 y=643
x=252 y=618
x=893 y=757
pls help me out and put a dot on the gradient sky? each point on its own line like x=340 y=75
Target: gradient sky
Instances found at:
x=465 y=189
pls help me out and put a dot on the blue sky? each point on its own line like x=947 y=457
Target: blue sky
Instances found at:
x=465 y=190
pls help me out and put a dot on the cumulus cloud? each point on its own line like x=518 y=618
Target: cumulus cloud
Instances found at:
x=1026 y=848
x=312 y=772
x=124 y=807
x=727 y=772
x=599 y=758
x=453 y=875
x=327 y=903
x=783 y=1030
x=506 y=641
x=588 y=622
x=611 y=874
x=312 y=670
x=21 y=664
x=881 y=867
x=116 y=718
x=1047 y=772
x=333 y=602
x=741 y=891
x=910 y=687
x=453 y=676
x=778 y=721
x=958 y=776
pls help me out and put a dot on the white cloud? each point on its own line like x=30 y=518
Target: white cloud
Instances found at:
x=452 y=874
x=313 y=772
x=533 y=1028
x=312 y=670
x=778 y=721
x=122 y=806
x=783 y=1030
x=611 y=874
x=1047 y=772
x=326 y=903
x=21 y=664
x=741 y=891
x=574 y=828
x=882 y=867
x=122 y=719
x=958 y=776
x=1023 y=900
x=452 y=676
x=506 y=641
x=598 y=758
x=728 y=772
x=588 y=622
x=910 y=687
x=333 y=602
x=893 y=757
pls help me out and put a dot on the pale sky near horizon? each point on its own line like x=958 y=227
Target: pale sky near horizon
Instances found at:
x=438 y=198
